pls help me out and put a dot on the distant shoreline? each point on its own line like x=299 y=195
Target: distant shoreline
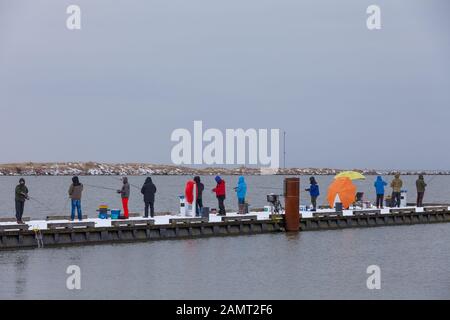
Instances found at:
x=142 y=169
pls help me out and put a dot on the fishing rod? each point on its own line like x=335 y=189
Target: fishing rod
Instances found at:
x=119 y=179
x=434 y=177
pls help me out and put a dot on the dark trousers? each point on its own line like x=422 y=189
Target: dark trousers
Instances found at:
x=314 y=202
x=221 y=199
x=395 y=200
x=380 y=199
x=420 y=199
x=198 y=207
x=20 y=206
x=241 y=206
x=152 y=209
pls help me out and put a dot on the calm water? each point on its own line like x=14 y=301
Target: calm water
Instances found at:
x=414 y=260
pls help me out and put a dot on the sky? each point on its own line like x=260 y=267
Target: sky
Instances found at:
x=114 y=91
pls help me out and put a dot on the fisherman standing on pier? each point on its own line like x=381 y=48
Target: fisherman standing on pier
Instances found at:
x=314 y=192
x=75 y=192
x=220 y=191
x=396 y=186
x=199 y=202
x=21 y=194
x=149 y=190
x=379 y=187
x=421 y=186
x=241 y=193
x=125 y=194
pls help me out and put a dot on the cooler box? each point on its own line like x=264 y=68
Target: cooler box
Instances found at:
x=243 y=208
x=205 y=212
x=103 y=211
x=115 y=214
x=268 y=209
x=103 y=215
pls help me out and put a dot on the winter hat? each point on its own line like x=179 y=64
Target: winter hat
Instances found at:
x=76 y=181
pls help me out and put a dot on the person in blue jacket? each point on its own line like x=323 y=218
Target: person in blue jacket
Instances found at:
x=379 y=187
x=313 y=192
x=241 y=190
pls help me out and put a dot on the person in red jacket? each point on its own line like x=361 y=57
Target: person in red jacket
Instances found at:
x=220 y=191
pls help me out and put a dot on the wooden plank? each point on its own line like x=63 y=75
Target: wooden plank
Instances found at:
x=326 y=214
x=188 y=220
x=51 y=218
x=412 y=204
x=14 y=227
x=132 y=223
x=404 y=210
x=257 y=209
x=239 y=218
x=134 y=215
x=366 y=212
x=72 y=225
x=156 y=214
x=276 y=216
x=435 y=209
x=26 y=219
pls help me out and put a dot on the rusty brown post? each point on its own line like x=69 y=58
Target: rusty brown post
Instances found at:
x=292 y=203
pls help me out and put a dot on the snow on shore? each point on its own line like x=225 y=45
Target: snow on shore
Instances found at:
x=142 y=169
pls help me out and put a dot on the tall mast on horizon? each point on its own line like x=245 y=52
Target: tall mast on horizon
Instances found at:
x=284 y=149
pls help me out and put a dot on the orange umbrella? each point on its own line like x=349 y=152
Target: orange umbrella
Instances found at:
x=345 y=189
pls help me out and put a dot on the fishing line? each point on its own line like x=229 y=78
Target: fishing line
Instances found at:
x=42 y=204
x=100 y=187
x=182 y=185
x=65 y=205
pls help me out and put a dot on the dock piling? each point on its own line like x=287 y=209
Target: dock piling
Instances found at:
x=292 y=203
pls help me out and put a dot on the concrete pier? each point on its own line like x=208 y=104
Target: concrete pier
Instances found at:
x=374 y=220
x=52 y=233
x=86 y=233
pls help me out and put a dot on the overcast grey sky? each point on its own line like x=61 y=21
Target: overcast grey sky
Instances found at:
x=116 y=89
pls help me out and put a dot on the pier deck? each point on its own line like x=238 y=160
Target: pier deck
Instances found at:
x=93 y=230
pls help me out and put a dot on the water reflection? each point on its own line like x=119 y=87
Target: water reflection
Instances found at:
x=293 y=236
x=305 y=265
x=20 y=270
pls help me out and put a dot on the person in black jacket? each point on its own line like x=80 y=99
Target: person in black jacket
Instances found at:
x=199 y=201
x=21 y=194
x=149 y=190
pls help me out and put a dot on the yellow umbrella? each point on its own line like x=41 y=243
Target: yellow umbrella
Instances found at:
x=352 y=175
